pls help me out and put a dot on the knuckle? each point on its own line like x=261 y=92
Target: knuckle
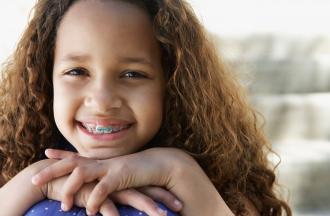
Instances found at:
x=79 y=171
x=108 y=204
x=66 y=193
x=47 y=171
x=68 y=190
x=92 y=207
x=49 y=189
x=101 y=189
x=167 y=198
x=160 y=194
x=73 y=159
x=147 y=201
x=130 y=192
x=85 y=193
x=121 y=166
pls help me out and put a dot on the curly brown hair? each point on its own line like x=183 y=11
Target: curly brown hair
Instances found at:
x=206 y=111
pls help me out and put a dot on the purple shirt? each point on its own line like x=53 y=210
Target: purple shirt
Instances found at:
x=53 y=208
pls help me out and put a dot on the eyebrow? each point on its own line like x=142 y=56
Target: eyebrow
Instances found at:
x=140 y=60
x=76 y=57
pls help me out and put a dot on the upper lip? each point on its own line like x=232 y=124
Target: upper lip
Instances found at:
x=106 y=122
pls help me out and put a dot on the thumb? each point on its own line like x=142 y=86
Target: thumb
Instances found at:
x=59 y=154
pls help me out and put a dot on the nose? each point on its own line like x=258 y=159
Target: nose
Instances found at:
x=103 y=97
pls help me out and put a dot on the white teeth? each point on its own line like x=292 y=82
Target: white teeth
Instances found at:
x=98 y=129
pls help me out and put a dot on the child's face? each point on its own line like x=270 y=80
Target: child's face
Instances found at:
x=107 y=77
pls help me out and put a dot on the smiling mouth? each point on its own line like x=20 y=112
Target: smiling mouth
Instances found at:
x=102 y=129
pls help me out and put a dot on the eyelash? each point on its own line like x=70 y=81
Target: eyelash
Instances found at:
x=130 y=74
x=77 y=72
x=133 y=75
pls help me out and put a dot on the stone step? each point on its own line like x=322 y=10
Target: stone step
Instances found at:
x=274 y=47
x=285 y=77
x=275 y=64
x=305 y=170
x=295 y=116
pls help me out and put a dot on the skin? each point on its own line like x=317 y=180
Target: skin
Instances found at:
x=167 y=167
x=120 y=39
x=13 y=203
x=110 y=55
x=104 y=168
x=107 y=70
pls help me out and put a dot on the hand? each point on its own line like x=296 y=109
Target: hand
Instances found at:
x=141 y=198
x=168 y=167
x=19 y=194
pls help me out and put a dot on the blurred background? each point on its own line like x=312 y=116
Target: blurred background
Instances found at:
x=281 y=51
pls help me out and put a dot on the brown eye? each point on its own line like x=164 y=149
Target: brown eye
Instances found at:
x=76 y=72
x=134 y=75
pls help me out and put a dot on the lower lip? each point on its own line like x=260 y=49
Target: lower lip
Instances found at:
x=104 y=137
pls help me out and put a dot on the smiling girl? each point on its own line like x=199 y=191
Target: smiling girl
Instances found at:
x=136 y=88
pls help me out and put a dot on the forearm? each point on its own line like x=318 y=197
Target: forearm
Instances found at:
x=19 y=194
x=192 y=186
x=199 y=196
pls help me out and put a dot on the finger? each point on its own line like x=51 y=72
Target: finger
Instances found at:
x=137 y=200
x=164 y=196
x=67 y=197
x=99 y=194
x=108 y=208
x=55 y=170
x=59 y=154
x=75 y=181
x=122 y=173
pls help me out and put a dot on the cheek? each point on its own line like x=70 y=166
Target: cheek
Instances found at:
x=149 y=109
x=64 y=102
x=59 y=106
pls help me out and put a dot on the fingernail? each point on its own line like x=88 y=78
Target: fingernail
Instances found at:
x=177 y=203
x=35 y=179
x=162 y=212
x=89 y=213
x=64 y=207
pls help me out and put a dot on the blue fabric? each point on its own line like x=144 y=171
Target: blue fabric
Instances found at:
x=53 y=208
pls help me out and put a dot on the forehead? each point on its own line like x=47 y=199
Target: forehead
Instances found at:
x=115 y=26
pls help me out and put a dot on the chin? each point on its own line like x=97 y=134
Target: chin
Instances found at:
x=101 y=154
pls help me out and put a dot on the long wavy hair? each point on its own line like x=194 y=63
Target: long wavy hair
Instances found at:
x=206 y=111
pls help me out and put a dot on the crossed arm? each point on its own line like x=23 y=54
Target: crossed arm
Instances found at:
x=159 y=167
